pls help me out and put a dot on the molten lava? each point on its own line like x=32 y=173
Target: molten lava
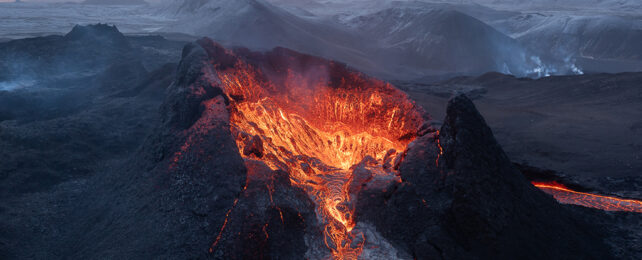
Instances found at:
x=317 y=120
x=567 y=196
x=332 y=130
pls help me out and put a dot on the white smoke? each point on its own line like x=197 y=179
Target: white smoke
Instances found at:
x=574 y=68
x=542 y=69
x=16 y=84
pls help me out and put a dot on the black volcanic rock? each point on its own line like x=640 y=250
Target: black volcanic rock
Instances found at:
x=168 y=199
x=471 y=202
x=272 y=219
x=171 y=198
x=183 y=105
x=130 y=72
x=153 y=87
x=57 y=148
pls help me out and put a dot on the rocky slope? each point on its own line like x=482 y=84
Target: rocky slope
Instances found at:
x=462 y=198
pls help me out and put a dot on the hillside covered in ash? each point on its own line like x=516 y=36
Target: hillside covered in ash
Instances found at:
x=72 y=105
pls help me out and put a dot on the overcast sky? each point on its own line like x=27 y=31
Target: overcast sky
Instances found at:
x=54 y=1
x=40 y=1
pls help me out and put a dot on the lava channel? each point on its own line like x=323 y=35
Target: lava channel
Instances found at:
x=316 y=122
x=567 y=196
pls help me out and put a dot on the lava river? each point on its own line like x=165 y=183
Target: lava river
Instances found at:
x=567 y=196
x=316 y=125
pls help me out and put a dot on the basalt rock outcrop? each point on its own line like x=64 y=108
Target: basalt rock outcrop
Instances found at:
x=461 y=198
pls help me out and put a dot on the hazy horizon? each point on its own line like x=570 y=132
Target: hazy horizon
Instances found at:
x=63 y=1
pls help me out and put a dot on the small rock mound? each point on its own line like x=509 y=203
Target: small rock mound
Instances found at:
x=98 y=33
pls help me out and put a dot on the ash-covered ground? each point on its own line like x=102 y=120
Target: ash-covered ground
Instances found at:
x=90 y=122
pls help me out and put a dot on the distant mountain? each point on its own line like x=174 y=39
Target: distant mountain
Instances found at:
x=600 y=37
x=443 y=40
x=560 y=37
x=598 y=42
x=257 y=24
x=402 y=41
x=115 y=2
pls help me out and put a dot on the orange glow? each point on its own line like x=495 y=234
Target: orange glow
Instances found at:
x=441 y=150
x=220 y=233
x=567 y=196
x=317 y=129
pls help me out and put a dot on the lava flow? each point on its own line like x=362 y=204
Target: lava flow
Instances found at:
x=317 y=120
x=567 y=196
